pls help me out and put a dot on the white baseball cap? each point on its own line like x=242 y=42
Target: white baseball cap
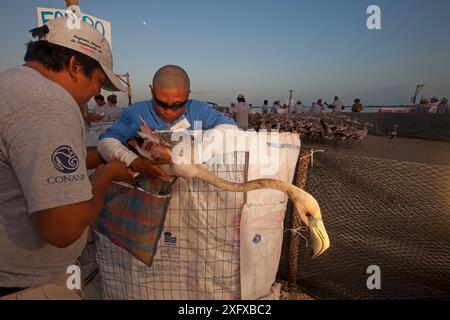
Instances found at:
x=86 y=39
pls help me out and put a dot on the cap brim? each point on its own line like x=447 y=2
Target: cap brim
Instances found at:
x=113 y=83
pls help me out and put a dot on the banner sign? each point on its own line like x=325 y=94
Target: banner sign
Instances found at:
x=46 y=14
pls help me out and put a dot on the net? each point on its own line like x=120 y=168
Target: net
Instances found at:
x=378 y=212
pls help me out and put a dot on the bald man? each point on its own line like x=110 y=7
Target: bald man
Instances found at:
x=169 y=109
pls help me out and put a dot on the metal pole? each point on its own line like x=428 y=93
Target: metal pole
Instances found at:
x=129 y=89
x=290 y=100
x=128 y=83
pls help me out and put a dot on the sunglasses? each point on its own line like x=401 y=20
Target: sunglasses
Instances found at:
x=174 y=106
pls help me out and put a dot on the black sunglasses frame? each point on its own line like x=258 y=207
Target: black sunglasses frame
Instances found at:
x=174 y=106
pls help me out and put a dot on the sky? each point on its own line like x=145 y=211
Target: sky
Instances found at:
x=263 y=49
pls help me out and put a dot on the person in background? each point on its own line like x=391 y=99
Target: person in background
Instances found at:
x=113 y=111
x=99 y=112
x=357 y=106
x=242 y=111
x=47 y=198
x=265 y=107
x=299 y=108
x=231 y=110
x=276 y=107
x=337 y=105
x=317 y=107
x=423 y=107
x=443 y=107
x=434 y=102
x=99 y=103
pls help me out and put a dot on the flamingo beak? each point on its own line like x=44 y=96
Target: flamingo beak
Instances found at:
x=319 y=237
x=309 y=211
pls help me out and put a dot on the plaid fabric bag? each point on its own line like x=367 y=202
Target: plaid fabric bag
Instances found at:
x=133 y=218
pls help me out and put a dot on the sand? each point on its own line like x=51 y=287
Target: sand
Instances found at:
x=402 y=149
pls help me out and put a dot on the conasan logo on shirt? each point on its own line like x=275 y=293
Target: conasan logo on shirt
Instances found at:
x=66 y=161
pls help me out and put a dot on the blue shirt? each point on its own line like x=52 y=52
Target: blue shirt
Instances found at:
x=128 y=124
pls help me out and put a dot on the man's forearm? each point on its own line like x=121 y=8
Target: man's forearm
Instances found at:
x=111 y=148
x=101 y=179
x=62 y=226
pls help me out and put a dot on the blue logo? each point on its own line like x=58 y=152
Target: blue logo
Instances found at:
x=169 y=239
x=257 y=239
x=65 y=160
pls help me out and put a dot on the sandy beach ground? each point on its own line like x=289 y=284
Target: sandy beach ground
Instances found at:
x=402 y=149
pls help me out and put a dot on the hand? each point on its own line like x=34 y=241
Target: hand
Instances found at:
x=146 y=166
x=157 y=151
x=133 y=143
x=97 y=117
x=119 y=171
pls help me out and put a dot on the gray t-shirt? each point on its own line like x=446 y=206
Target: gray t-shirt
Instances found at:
x=42 y=166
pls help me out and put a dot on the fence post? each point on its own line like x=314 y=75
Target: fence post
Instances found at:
x=301 y=174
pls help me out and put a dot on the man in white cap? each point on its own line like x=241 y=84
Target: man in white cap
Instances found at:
x=47 y=200
x=242 y=112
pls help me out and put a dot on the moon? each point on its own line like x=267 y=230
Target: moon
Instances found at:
x=144 y=23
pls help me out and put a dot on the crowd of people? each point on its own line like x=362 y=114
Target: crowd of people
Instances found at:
x=434 y=105
x=292 y=107
x=241 y=111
